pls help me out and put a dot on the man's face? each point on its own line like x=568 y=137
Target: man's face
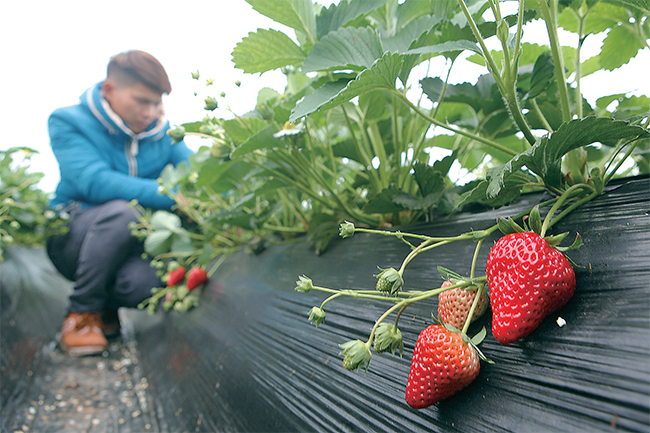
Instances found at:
x=138 y=105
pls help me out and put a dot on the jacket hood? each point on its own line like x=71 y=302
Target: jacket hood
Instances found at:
x=101 y=109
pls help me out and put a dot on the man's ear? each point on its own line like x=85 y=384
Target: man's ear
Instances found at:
x=108 y=87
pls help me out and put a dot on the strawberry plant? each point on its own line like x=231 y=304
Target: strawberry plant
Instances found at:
x=365 y=138
x=25 y=217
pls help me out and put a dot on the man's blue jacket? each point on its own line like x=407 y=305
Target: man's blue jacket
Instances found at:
x=101 y=159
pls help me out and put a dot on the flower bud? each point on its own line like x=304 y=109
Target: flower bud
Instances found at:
x=316 y=316
x=196 y=75
x=304 y=284
x=388 y=337
x=503 y=31
x=177 y=134
x=346 y=229
x=210 y=103
x=356 y=355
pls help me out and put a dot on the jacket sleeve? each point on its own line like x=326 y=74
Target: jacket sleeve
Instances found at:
x=94 y=180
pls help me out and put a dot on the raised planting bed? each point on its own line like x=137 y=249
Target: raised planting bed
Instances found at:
x=247 y=358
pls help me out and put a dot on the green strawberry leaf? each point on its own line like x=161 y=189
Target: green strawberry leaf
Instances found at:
x=620 y=45
x=266 y=50
x=545 y=157
x=413 y=203
x=384 y=203
x=341 y=14
x=446 y=47
x=297 y=14
x=313 y=102
x=163 y=220
x=345 y=48
x=543 y=74
x=158 y=242
x=262 y=139
x=382 y=75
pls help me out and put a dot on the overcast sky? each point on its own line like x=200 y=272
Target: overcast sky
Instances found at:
x=54 y=50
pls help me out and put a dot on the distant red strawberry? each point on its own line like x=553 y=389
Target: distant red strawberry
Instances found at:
x=454 y=305
x=442 y=364
x=528 y=279
x=176 y=276
x=196 y=277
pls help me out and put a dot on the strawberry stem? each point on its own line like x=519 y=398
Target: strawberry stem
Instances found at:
x=479 y=292
x=568 y=194
x=478 y=247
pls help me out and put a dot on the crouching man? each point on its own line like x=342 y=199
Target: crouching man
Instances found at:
x=111 y=147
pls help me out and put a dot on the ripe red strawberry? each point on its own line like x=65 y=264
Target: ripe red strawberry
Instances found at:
x=196 y=277
x=528 y=280
x=442 y=364
x=176 y=276
x=454 y=305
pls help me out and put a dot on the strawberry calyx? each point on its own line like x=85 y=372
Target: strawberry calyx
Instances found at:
x=533 y=223
x=356 y=354
x=388 y=337
x=473 y=341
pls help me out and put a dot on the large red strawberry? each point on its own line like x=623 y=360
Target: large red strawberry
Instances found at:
x=196 y=277
x=176 y=276
x=442 y=364
x=528 y=280
x=454 y=304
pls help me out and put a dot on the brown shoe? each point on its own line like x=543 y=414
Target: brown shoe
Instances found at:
x=111 y=323
x=81 y=334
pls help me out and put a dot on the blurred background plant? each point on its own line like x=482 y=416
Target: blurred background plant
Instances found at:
x=363 y=133
x=25 y=217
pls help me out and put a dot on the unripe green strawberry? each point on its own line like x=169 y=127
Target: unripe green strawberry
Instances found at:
x=454 y=304
x=442 y=365
x=388 y=337
x=528 y=280
x=389 y=281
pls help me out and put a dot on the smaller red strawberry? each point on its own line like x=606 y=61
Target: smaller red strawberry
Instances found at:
x=176 y=276
x=454 y=304
x=443 y=363
x=196 y=277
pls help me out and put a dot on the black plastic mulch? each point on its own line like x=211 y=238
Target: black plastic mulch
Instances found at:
x=45 y=390
x=247 y=360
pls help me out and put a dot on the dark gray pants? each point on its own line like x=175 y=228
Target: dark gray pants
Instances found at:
x=103 y=259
